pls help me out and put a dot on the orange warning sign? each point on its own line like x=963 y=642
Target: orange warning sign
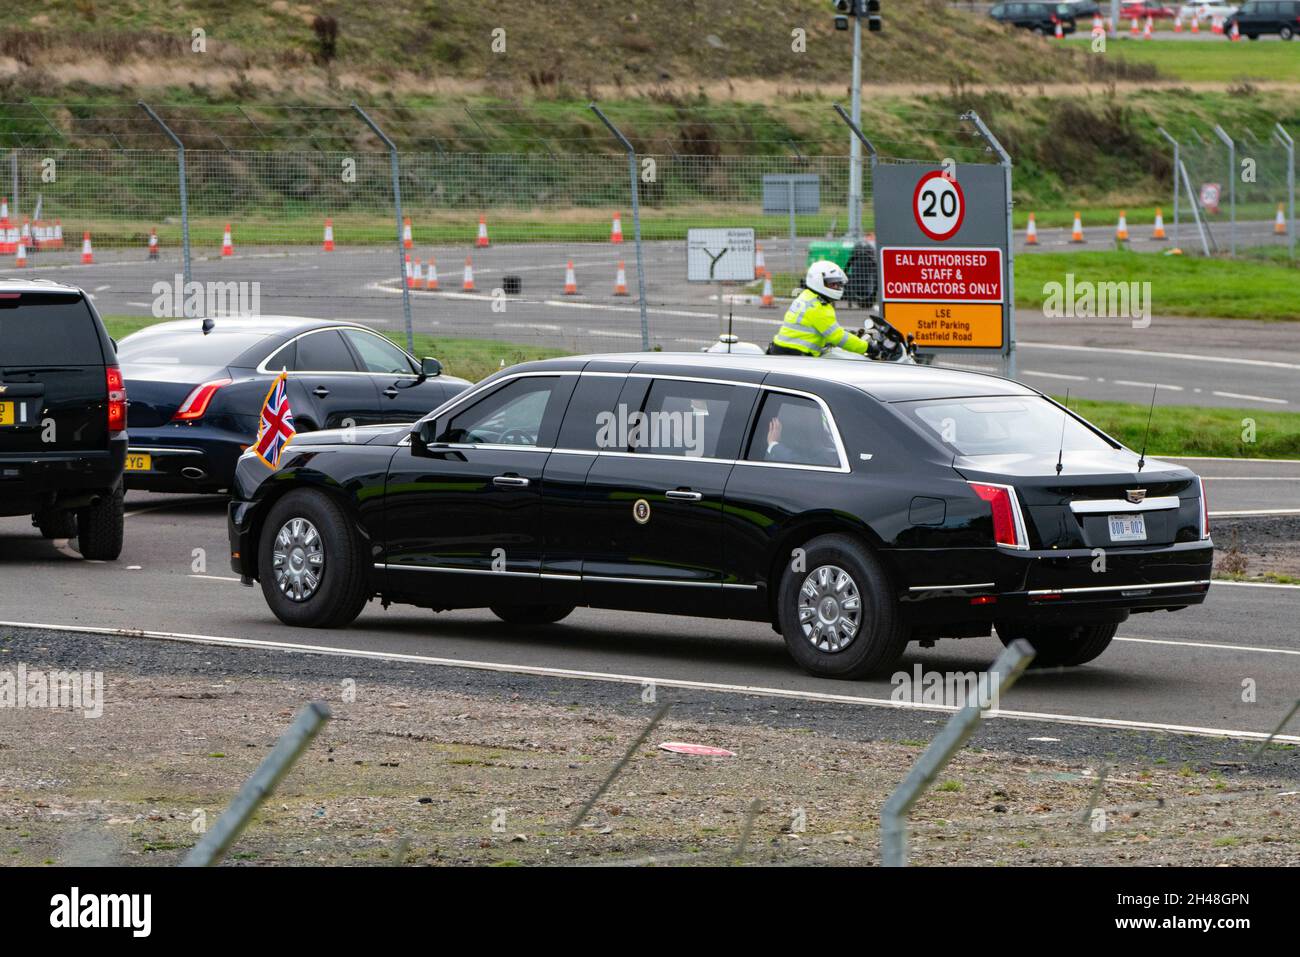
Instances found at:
x=952 y=325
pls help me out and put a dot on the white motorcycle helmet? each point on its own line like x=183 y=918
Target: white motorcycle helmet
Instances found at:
x=826 y=279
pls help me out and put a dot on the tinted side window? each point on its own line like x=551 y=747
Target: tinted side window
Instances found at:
x=998 y=10
x=587 y=421
x=510 y=415
x=793 y=430
x=378 y=354
x=324 y=352
x=692 y=419
x=48 y=330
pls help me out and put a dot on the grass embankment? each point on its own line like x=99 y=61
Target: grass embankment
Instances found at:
x=1208 y=61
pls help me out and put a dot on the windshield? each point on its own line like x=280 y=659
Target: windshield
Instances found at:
x=1023 y=425
x=185 y=347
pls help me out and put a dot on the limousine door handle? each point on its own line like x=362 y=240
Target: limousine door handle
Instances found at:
x=684 y=495
x=510 y=481
x=391 y=392
x=320 y=391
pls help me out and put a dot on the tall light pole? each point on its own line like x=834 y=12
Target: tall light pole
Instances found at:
x=857 y=10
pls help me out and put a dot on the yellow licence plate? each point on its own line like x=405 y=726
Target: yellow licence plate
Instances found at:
x=6 y=413
x=139 y=462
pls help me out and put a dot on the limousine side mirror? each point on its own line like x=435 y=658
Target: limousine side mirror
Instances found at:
x=430 y=367
x=424 y=437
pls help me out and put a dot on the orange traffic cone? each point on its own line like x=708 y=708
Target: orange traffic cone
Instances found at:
x=1098 y=24
x=1178 y=23
x=87 y=253
x=431 y=276
x=407 y=242
x=482 y=232
x=468 y=283
x=58 y=234
x=1121 y=228
x=1031 y=232
x=760 y=264
x=1076 y=232
x=1133 y=27
x=1196 y=24
x=153 y=244
x=21 y=259
x=1159 y=231
x=227 y=243
x=1060 y=33
x=616 y=230
x=410 y=273
x=328 y=245
x=1236 y=34
x=570 y=280
x=4 y=207
x=620 y=281
x=1279 y=224
x=27 y=232
x=1146 y=30
x=767 y=302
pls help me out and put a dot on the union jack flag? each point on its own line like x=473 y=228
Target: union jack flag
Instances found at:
x=276 y=427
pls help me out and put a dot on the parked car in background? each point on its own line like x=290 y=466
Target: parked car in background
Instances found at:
x=1144 y=8
x=1041 y=18
x=196 y=399
x=1083 y=9
x=1205 y=12
x=62 y=416
x=1256 y=18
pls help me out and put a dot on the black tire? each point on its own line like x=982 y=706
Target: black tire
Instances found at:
x=341 y=589
x=1286 y=33
x=1058 y=646
x=532 y=614
x=56 y=523
x=880 y=636
x=100 y=527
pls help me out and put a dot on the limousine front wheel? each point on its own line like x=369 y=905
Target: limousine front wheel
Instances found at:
x=836 y=611
x=1059 y=646
x=310 y=561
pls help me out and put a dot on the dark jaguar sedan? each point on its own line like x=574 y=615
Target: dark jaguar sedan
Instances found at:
x=195 y=399
x=854 y=506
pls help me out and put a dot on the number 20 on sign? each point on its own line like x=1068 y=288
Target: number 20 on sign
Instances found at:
x=938 y=205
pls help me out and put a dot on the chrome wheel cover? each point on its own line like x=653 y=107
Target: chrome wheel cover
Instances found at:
x=830 y=608
x=298 y=559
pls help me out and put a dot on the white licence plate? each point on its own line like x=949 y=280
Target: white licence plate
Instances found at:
x=1127 y=528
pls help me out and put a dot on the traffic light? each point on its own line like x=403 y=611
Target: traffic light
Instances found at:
x=862 y=9
x=873 y=15
x=843 y=6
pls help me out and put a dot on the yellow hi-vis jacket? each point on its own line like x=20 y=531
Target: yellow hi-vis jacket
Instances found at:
x=810 y=326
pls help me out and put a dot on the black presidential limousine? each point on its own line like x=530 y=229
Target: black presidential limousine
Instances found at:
x=856 y=506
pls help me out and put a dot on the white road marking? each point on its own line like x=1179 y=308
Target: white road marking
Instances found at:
x=1249 y=398
x=1207 y=644
x=1241 y=513
x=215 y=578
x=1229 y=581
x=102 y=288
x=1189 y=356
x=1056 y=375
x=1147 y=385
x=642 y=680
x=1225 y=458
x=1251 y=478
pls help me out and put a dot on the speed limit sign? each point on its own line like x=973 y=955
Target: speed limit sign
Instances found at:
x=938 y=205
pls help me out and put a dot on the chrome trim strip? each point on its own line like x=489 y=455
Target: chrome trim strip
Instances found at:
x=647 y=581
x=965 y=587
x=455 y=571
x=261 y=366
x=553 y=575
x=1101 y=506
x=1133 y=587
x=150 y=450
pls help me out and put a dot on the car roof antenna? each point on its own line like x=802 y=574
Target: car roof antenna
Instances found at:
x=1142 y=456
x=1065 y=417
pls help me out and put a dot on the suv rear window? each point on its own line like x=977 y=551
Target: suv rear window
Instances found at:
x=45 y=329
x=1002 y=425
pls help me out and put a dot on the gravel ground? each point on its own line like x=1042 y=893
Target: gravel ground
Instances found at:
x=428 y=765
x=1253 y=547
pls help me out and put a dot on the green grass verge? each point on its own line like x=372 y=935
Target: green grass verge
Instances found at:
x=1196 y=430
x=1217 y=60
x=469 y=358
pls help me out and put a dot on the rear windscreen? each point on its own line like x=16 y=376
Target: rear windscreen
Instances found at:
x=47 y=330
x=185 y=347
x=1003 y=425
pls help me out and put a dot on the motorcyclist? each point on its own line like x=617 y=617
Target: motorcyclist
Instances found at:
x=810 y=326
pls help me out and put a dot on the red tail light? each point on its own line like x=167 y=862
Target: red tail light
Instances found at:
x=1205 y=512
x=116 y=399
x=1008 y=525
x=196 y=403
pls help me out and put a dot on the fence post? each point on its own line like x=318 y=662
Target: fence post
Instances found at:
x=1173 y=142
x=1288 y=144
x=1006 y=669
x=1004 y=160
x=636 y=220
x=185 y=202
x=214 y=844
x=397 y=206
x=1229 y=142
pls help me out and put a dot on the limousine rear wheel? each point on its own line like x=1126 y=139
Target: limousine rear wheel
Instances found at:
x=1060 y=645
x=532 y=614
x=837 y=612
x=311 y=562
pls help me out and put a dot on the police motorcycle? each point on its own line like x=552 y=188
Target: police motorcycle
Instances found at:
x=888 y=344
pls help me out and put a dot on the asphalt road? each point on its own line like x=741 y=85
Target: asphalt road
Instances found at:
x=1233 y=363
x=1167 y=671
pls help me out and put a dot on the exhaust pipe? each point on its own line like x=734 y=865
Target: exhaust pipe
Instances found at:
x=190 y=472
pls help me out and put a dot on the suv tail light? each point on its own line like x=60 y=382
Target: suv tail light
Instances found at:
x=1008 y=523
x=116 y=398
x=1205 y=511
x=197 y=402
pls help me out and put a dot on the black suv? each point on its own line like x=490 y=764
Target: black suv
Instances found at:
x=62 y=416
x=1042 y=18
x=854 y=506
x=1257 y=17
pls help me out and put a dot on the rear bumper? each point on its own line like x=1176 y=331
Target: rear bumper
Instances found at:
x=35 y=480
x=185 y=460
x=1078 y=585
